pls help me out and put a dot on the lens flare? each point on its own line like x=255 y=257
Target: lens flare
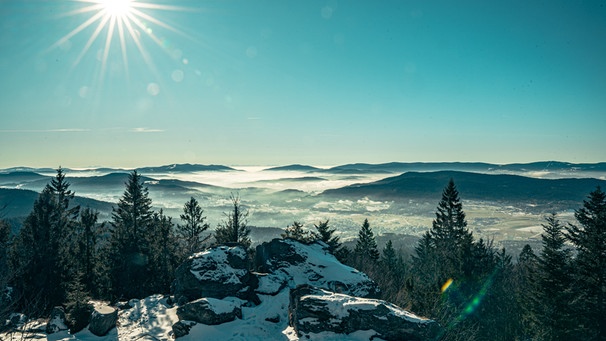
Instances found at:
x=446 y=284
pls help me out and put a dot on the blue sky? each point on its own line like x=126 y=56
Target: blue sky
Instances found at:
x=314 y=82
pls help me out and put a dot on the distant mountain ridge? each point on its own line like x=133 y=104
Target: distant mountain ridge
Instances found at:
x=473 y=186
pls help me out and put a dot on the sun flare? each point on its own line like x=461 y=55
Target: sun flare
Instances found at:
x=120 y=25
x=117 y=8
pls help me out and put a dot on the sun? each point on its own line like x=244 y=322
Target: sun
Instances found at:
x=118 y=23
x=117 y=8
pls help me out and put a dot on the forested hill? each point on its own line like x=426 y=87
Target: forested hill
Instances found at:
x=473 y=186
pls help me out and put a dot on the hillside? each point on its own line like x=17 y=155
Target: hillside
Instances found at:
x=473 y=186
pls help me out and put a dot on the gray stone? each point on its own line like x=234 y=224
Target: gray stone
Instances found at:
x=102 y=320
x=313 y=310
x=182 y=328
x=210 y=311
x=218 y=272
x=56 y=321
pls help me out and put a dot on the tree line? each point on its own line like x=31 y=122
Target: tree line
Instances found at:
x=64 y=256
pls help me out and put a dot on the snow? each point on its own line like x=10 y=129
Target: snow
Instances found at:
x=320 y=269
x=341 y=305
x=152 y=318
x=217 y=258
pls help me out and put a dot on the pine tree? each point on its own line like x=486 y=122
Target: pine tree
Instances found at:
x=526 y=293
x=295 y=231
x=164 y=254
x=193 y=228
x=5 y=274
x=129 y=249
x=589 y=239
x=326 y=234
x=450 y=236
x=366 y=246
x=234 y=229
x=88 y=235
x=554 y=281
x=34 y=260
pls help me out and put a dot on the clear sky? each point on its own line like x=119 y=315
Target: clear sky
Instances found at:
x=314 y=82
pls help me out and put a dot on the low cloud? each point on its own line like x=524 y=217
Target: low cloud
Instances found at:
x=61 y=130
x=146 y=130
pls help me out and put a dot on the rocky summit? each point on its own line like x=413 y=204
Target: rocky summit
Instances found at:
x=296 y=291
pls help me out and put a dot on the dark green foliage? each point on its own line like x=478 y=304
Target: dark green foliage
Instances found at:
x=164 y=253
x=42 y=256
x=589 y=238
x=555 y=282
x=77 y=308
x=88 y=234
x=526 y=293
x=326 y=234
x=295 y=231
x=234 y=229
x=5 y=274
x=129 y=249
x=366 y=246
x=193 y=228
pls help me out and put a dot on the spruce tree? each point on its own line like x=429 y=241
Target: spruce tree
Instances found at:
x=164 y=253
x=589 y=239
x=193 y=228
x=326 y=234
x=295 y=231
x=527 y=292
x=555 y=282
x=234 y=229
x=129 y=248
x=5 y=273
x=450 y=236
x=366 y=246
x=34 y=259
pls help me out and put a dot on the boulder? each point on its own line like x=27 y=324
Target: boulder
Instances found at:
x=210 y=311
x=313 y=310
x=219 y=272
x=288 y=262
x=56 y=321
x=103 y=319
x=182 y=328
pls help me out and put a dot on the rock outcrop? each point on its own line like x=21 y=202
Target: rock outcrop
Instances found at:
x=219 y=272
x=210 y=311
x=56 y=321
x=313 y=310
x=295 y=288
x=288 y=262
x=102 y=320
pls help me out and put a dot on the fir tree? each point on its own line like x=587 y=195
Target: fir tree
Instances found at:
x=234 y=229
x=5 y=274
x=193 y=228
x=589 y=238
x=554 y=281
x=450 y=236
x=295 y=231
x=89 y=233
x=326 y=234
x=526 y=293
x=366 y=246
x=34 y=259
x=129 y=249
x=163 y=253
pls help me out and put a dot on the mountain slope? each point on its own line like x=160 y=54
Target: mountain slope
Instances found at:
x=472 y=186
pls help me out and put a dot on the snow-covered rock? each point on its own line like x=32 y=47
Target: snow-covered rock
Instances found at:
x=218 y=272
x=289 y=263
x=211 y=311
x=103 y=319
x=56 y=321
x=313 y=311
